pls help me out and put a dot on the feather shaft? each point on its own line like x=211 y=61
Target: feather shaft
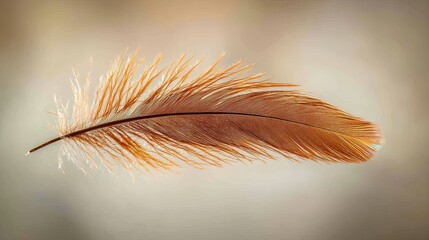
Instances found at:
x=108 y=124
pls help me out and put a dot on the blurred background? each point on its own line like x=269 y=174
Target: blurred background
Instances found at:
x=369 y=58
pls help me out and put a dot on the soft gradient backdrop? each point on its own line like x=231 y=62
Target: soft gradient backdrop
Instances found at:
x=369 y=58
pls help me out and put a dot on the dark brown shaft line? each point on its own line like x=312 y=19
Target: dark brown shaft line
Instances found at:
x=108 y=124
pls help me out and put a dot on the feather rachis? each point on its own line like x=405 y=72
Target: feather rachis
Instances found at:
x=220 y=116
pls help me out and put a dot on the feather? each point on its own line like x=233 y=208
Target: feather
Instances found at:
x=219 y=116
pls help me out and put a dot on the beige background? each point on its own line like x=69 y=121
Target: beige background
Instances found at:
x=369 y=58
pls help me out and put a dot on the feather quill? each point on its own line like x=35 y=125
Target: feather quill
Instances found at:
x=219 y=116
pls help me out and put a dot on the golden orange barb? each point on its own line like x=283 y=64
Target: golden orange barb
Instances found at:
x=220 y=116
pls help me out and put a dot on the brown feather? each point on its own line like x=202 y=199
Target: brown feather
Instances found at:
x=222 y=115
